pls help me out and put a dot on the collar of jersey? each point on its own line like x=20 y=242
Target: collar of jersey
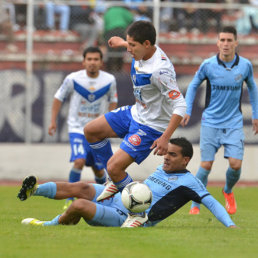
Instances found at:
x=220 y=62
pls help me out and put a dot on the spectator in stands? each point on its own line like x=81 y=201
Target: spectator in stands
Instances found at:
x=205 y=15
x=40 y=17
x=87 y=21
x=140 y=11
x=6 y=25
x=166 y=15
x=116 y=20
x=63 y=10
x=247 y=21
x=187 y=18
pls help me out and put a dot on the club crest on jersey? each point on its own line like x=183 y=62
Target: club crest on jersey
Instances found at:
x=91 y=97
x=135 y=140
x=174 y=94
x=238 y=77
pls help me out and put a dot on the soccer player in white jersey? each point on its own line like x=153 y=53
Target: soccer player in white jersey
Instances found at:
x=93 y=93
x=222 y=119
x=149 y=123
x=172 y=186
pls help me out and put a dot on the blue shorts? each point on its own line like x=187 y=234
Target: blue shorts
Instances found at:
x=109 y=213
x=211 y=139
x=138 y=138
x=80 y=149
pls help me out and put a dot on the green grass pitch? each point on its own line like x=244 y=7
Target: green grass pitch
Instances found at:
x=181 y=235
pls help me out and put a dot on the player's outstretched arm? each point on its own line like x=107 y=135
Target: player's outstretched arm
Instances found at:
x=161 y=144
x=116 y=42
x=55 y=110
x=218 y=211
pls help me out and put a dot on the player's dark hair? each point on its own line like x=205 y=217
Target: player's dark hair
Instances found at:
x=141 y=31
x=187 y=147
x=92 y=50
x=229 y=29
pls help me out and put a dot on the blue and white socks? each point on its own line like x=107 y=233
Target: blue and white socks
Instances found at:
x=102 y=151
x=122 y=184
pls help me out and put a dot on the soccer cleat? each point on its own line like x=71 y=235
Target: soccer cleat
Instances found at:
x=194 y=211
x=109 y=191
x=32 y=221
x=231 y=205
x=135 y=220
x=67 y=204
x=29 y=187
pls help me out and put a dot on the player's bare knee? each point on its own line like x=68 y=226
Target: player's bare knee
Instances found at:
x=206 y=165
x=88 y=132
x=113 y=167
x=79 y=163
x=235 y=166
x=78 y=205
x=84 y=187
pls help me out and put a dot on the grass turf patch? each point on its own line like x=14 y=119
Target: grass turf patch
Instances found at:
x=181 y=235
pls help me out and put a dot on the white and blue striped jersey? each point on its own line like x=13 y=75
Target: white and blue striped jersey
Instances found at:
x=171 y=191
x=224 y=91
x=156 y=91
x=90 y=97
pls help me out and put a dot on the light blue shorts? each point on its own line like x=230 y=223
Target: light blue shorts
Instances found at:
x=138 y=138
x=211 y=139
x=80 y=149
x=109 y=213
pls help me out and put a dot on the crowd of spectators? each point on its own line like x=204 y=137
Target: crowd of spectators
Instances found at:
x=94 y=22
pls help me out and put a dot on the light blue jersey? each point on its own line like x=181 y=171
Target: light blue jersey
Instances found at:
x=224 y=91
x=171 y=191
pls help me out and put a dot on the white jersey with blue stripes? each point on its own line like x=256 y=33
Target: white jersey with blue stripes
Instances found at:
x=224 y=91
x=156 y=91
x=90 y=97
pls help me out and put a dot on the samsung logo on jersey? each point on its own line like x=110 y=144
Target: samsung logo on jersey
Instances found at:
x=159 y=182
x=222 y=87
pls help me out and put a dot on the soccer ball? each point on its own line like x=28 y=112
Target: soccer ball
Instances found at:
x=136 y=197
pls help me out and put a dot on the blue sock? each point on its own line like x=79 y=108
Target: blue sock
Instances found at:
x=46 y=190
x=102 y=151
x=202 y=174
x=75 y=175
x=121 y=184
x=232 y=176
x=101 y=180
x=53 y=222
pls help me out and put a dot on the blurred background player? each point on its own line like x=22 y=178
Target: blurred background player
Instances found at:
x=149 y=123
x=172 y=186
x=93 y=94
x=222 y=120
x=7 y=23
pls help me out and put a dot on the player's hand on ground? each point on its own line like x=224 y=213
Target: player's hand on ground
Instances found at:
x=116 y=41
x=160 y=146
x=185 y=120
x=52 y=129
x=255 y=126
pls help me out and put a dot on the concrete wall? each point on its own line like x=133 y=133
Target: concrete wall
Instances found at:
x=51 y=161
